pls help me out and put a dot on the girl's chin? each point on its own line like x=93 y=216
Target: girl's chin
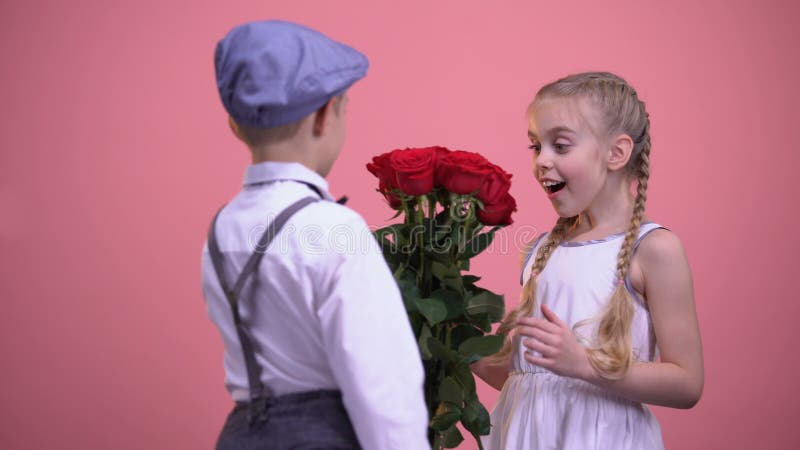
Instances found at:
x=565 y=213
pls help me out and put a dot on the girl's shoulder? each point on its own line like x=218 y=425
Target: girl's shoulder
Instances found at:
x=658 y=247
x=660 y=243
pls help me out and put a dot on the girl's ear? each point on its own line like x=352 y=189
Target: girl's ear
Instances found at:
x=620 y=154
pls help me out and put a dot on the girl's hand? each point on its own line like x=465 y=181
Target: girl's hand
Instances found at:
x=561 y=352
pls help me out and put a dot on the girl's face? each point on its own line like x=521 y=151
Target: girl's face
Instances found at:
x=568 y=153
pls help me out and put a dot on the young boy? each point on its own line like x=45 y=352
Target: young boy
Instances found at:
x=318 y=349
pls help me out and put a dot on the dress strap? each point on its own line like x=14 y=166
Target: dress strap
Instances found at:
x=644 y=230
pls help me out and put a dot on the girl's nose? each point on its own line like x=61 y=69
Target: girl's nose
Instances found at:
x=542 y=162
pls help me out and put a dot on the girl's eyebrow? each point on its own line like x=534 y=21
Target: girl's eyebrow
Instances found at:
x=552 y=131
x=560 y=129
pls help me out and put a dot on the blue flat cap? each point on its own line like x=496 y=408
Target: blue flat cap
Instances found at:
x=272 y=73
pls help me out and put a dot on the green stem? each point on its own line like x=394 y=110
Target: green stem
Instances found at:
x=420 y=216
x=400 y=269
x=468 y=224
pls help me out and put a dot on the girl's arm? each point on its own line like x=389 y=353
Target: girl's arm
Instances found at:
x=677 y=380
x=493 y=373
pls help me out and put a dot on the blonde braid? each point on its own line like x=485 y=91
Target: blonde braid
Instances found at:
x=613 y=354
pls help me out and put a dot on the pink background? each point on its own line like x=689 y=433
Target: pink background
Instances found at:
x=116 y=152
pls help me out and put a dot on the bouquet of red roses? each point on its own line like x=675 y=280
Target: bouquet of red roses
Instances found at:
x=447 y=199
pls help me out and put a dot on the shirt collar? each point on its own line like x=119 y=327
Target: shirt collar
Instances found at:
x=267 y=171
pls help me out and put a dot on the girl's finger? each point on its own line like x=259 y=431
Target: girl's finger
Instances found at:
x=535 y=322
x=537 y=361
x=539 y=334
x=552 y=317
x=539 y=346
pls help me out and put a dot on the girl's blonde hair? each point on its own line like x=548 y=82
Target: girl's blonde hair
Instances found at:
x=623 y=112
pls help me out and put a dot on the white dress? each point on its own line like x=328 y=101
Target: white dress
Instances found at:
x=538 y=409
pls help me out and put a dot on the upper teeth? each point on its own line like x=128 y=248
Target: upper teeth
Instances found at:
x=551 y=183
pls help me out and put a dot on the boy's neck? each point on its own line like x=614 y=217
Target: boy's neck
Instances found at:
x=285 y=154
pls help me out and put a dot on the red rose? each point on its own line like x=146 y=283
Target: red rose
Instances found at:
x=495 y=186
x=498 y=213
x=439 y=153
x=413 y=169
x=462 y=172
x=381 y=168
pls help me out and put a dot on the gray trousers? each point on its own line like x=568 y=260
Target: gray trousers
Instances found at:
x=313 y=420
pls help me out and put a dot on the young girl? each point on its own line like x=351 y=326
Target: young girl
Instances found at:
x=606 y=320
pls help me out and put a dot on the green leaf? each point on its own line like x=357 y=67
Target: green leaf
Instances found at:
x=442 y=216
x=470 y=279
x=448 y=275
x=447 y=414
x=463 y=332
x=450 y=438
x=410 y=304
x=476 y=419
x=477 y=347
x=417 y=321
x=397 y=231
x=442 y=237
x=452 y=301
x=489 y=303
x=392 y=257
x=451 y=391
x=443 y=271
x=481 y=321
x=407 y=283
x=409 y=290
x=442 y=229
x=438 y=350
x=439 y=254
x=433 y=309
x=478 y=244
x=464 y=376
x=470 y=412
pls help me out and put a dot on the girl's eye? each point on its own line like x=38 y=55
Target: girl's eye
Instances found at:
x=536 y=148
x=561 y=148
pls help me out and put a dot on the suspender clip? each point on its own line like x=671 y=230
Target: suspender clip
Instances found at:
x=258 y=413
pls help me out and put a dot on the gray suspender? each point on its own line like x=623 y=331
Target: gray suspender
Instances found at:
x=257 y=398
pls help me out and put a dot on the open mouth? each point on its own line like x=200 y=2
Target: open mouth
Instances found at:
x=553 y=186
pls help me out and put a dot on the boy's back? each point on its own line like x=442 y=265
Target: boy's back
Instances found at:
x=322 y=311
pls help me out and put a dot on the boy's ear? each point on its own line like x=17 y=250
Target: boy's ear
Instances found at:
x=320 y=118
x=235 y=128
x=620 y=154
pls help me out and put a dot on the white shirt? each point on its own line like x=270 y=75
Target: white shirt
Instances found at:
x=326 y=312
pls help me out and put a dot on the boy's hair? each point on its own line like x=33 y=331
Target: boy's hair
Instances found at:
x=623 y=112
x=257 y=137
